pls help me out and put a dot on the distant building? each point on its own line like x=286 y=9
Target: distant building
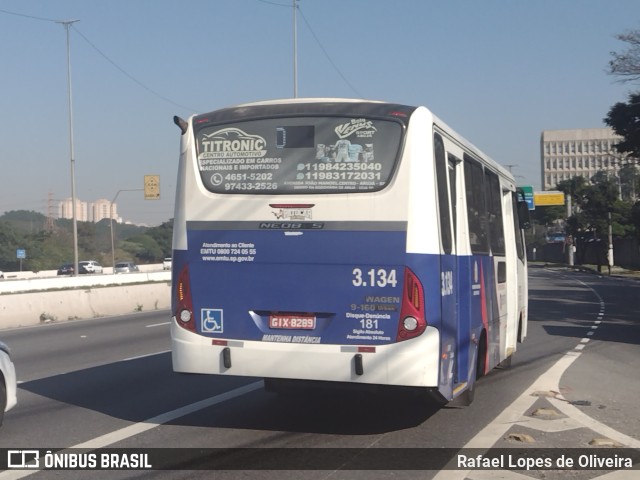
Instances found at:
x=88 y=212
x=65 y=210
x=571 y=153
x=102 y=208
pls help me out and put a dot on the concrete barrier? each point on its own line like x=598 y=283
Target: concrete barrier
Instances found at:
x=31 y=301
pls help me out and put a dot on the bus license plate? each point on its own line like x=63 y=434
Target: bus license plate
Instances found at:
x=292 y=322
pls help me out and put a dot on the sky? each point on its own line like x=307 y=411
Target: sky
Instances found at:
x=499 y=72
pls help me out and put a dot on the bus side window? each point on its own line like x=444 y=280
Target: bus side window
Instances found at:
x=476 y=207
x=443 y=194
x=453 y=162
x=517 y=225
x=494 y=209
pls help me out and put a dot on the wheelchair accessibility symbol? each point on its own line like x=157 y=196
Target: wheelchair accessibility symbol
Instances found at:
x=211 y=320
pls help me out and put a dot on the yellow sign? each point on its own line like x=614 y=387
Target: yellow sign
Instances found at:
x=152 y=187
x=545 y=199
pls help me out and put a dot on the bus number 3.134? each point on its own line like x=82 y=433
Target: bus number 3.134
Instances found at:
x=374 y=278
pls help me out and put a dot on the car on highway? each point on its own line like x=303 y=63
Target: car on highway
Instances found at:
x=66 y=269
x=166 y=263
x=125 y=267
x=89 y=266
x=1 y=275
x=8 y=384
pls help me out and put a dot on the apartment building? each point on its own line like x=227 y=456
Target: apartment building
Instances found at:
x=88 y=211
x=582 y=152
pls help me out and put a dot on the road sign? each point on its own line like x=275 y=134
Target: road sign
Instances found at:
x=21 y=253
x=527 y=190
x=152 y=187
x=544 y=199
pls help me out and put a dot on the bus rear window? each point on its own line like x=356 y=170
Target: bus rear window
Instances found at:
x=298 y=155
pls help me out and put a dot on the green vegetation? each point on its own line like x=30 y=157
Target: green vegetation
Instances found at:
x=592 y=200
x=50 y=245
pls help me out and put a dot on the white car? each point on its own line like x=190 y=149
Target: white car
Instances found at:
x=8 y=398
x=89 y=266
x=166 y=263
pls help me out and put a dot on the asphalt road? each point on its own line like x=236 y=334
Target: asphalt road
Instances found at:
x=108 y=383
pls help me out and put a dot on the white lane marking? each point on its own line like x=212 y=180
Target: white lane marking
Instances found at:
x=149 y=424
x=140 y=427
x=513 y=414
x=546 y=382
x=157 y=325
x=570 y=410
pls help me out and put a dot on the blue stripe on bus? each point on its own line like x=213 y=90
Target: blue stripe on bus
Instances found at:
x=239 y=277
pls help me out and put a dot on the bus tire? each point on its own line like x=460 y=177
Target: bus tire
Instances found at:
x=520 y=330
x=481 y=362
x=466 y=398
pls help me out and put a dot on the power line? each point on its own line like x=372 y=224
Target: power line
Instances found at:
x=329 y=57
x=274 y=3
x=324 y=50
x=33 y=17
x=131 y=77
x=122 y=70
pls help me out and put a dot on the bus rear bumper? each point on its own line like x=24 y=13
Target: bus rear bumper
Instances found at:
x=412 y=362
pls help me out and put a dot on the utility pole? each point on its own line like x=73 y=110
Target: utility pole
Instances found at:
x=569 y=244
x=74 y=213
x=295 y=50
x=610 y=249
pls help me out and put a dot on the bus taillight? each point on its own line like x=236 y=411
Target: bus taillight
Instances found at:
x=412 y=316
x=184 y=306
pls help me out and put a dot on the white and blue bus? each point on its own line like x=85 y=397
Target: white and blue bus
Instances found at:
x=344 y=241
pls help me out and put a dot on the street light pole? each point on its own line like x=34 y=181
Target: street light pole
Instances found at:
x=74 y=213
x=295 y=50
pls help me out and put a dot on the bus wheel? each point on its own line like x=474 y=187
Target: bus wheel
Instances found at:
x=520 y=330
x=466 y=398
x=482 y=356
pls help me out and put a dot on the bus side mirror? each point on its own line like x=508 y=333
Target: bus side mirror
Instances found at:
x=523 y=216
x=182 y=125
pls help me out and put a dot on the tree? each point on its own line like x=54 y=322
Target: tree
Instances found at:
x=624 y=119
x=628 y=178
x=48 y=249
x=163 y=235
x=601 y=199
x=144 y=248
x=592 y=202
x=626 y=65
